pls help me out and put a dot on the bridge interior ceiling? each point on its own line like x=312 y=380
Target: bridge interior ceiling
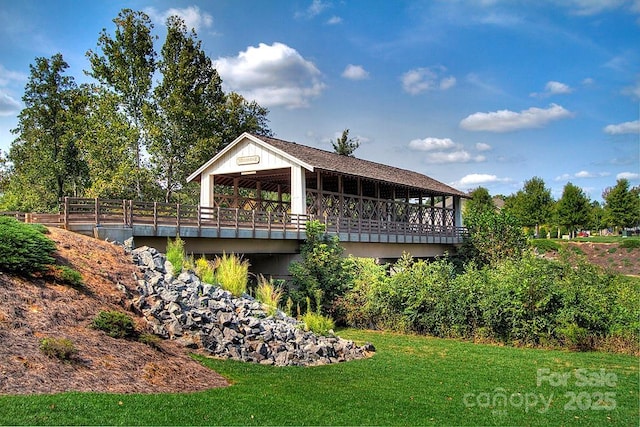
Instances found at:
x=279 y=180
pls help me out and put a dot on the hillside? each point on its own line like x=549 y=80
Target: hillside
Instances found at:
x=38 y=307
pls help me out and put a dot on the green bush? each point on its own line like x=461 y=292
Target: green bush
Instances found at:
x=318 y=324
x=151 y=340
x=232 y=273
x=24 y=249
x=205 y=270
x=320 y=268
x=61 y=348
x=115 y=324
x=176 y=254
x=544 y=245
x=69 y=276
x=356 y=307
x=630 y=243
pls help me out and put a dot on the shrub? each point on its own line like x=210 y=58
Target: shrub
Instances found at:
x=320 y=268
x=151 y=340
x=69 y=276
x=232 y=273
x=205 y=270
x=630 y=243
x=268 y=294
x=356 y=308
x=544 y=245
x=24 y=249
x=176 y=254
x=115 y=324
x=317 y=323
x=61 y=348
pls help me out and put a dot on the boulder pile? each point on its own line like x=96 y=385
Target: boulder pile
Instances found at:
x=203 y=315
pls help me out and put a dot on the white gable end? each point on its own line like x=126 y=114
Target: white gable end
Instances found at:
x=247 y=156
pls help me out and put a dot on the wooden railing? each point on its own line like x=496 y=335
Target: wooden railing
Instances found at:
x=128 y=213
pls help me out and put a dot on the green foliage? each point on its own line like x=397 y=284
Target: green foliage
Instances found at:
x=176 y=254
x=69 y=276
x=526 y=301
x=480 y=201
x=269 y=294
x=205 y=270
x=151 y=340
x=321 y=267
x=532 y=205
x=622 y=205
x=544 y=245
x=573 y=209
x=630 y=244
x=317 y=323
x=60 y=348
x=115 y=324
x=23 y=248
x=492 y=237
x=344 y=145
x=232 y=273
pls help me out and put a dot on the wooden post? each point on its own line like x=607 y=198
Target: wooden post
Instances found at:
x=236 y=197
x=96 y=207
x=155 y=216
x=178 y=217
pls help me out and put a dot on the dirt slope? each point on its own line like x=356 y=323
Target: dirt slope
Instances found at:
x=38 y=307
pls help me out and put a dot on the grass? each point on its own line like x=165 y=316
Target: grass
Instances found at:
x=232 y=273
x=410 y=381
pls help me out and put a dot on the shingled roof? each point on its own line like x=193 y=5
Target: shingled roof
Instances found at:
x=332 y=162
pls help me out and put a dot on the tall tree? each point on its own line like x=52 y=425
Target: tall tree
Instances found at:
x=47 y=164
x=126 y=67
x=533 y=204
x=186 y=102
x=621 y=205
x=345 y=146
x=573 y=208
x=480 y=201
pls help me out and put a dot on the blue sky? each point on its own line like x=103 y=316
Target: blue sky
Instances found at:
x=472 y=93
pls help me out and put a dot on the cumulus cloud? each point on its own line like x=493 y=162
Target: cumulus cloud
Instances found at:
x=432 y=144
x=553 y=88
x=507 y=121
x=581 y=174
x=482 y=146
x=8 y=105
x=355 y=72
x=622 y=128
x=475 y=179
x=421 y=80
x=631 y=176
x=272 y=75
x=443 y=150
x=192 y=16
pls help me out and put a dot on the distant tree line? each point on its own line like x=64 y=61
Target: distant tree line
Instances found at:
x=137 y=132
x=534 y=208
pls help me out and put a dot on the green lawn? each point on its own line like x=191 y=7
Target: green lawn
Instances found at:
x=410 y=381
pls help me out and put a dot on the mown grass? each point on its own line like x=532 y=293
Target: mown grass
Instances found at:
x=411 y=380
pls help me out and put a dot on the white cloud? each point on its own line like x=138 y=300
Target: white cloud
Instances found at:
x=8 y=105
x=355 y=72
x=581 y=175
x=479 y=179
x=631 y=176
x=420 y=80
x=334 y=20
x=632 y=91
x=482 y=146
x=272 y=75
x=192 y=16
x=458 y=156
x=553 y=88
x=315 y=8
x=507 y=121
x=622 y=128
x=432 y=144
x=592 y=7
x=8 y=76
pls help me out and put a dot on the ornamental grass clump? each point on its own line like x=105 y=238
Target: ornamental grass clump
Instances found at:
x=269 y=294
x=176 y=254
x=232 y=273
x=205 y=270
